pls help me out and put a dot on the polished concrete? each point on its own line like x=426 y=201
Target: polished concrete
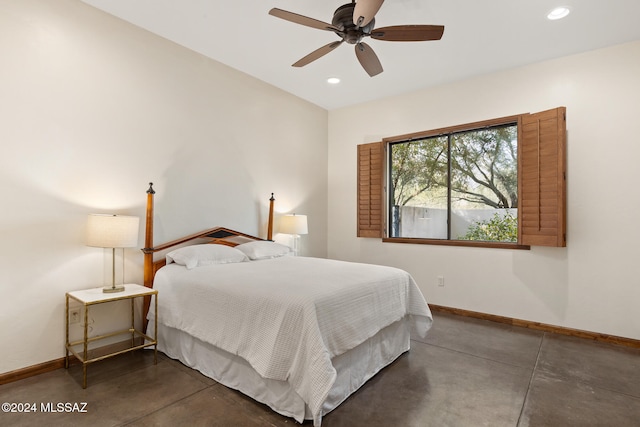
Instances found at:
x=467 y=372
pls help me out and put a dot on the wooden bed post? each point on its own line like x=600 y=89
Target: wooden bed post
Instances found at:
x=148 y=240
x=148 y=254
x=270 y=226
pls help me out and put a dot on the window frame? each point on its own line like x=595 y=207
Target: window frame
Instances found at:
x=542 y=196
x=447 y=131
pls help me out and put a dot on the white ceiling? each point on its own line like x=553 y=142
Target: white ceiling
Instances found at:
x=481 y=36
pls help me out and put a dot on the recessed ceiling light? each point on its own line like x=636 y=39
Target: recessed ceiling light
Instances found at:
x=558 y=13
x=333 y=80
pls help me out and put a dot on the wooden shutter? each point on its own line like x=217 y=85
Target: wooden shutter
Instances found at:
x=370 y=173
x=542 y=178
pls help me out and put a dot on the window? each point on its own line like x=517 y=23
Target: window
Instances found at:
x=497 y=183
x=457 y=186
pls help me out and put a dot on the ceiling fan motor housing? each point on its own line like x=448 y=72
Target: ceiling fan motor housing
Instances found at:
x=343 y=19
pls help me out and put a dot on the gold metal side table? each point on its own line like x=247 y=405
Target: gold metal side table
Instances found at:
x=89 y=297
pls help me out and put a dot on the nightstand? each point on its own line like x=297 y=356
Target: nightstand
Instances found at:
x=89 y=297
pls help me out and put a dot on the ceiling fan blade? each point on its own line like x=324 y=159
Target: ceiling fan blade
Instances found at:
x=365 y=10
x=318 y=53
x=302 y=20
x=408 y=33
x=368 y=59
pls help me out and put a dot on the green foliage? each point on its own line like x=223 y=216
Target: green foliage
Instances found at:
x=416 y=167
x=500 y=228
x=483 y=167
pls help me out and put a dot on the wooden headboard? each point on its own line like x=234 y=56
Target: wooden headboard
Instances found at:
x=217 y=235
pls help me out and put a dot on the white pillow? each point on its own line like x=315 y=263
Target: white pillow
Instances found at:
x=263 y=249
x=206 y=254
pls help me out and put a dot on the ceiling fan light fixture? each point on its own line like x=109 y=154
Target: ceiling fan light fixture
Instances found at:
x=558 y=13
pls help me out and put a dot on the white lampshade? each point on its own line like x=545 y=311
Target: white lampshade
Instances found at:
x=293 y=224
x=112 y=231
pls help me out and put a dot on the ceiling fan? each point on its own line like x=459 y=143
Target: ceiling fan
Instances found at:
x=354 y=21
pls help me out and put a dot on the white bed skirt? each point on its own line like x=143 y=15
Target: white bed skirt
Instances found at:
x=353 y=368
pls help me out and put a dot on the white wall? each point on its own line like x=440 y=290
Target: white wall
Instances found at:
x=92 y=110
x=593 y=284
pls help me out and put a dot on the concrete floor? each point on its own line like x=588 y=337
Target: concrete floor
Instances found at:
x=467 y=372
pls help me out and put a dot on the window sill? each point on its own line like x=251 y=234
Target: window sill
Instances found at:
x=470 y=243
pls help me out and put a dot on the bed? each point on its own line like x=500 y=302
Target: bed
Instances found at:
x=299 y=334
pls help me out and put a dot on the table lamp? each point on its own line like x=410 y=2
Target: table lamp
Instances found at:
x=294 y=225
x=112 y=231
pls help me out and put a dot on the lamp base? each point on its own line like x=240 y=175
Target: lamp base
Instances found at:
x=112 y=289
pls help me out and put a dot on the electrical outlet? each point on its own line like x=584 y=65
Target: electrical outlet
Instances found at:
x=74 y=316
x=441 y=281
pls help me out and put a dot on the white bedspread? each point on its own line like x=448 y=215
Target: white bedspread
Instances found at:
x=289 y=316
